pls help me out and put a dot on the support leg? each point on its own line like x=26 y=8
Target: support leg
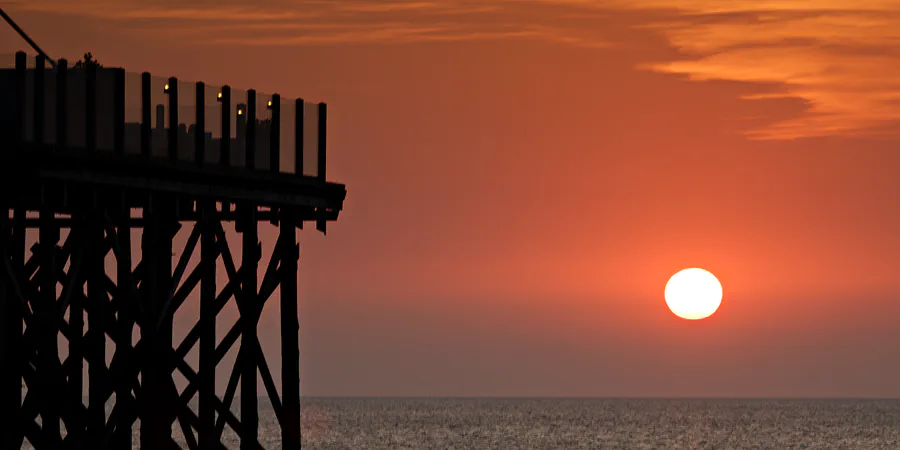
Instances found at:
x=122 y=439
x=48 y=349
x=10 y=342
x=290 y=346
x=249 y=318
x=207 y=375
x=96 y=336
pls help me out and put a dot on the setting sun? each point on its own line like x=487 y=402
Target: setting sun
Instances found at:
x=693 y=294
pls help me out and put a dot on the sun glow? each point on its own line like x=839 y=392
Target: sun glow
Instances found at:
x=693 y=294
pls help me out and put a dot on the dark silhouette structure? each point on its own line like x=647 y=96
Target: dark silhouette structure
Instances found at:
x=71 y=163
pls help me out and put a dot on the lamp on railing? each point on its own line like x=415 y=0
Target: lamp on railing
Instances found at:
x=269 y=105
x=219 y=97
x=166 y=88
x=240 y=112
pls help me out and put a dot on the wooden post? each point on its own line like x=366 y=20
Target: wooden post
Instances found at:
x=321 y=223
x=48 y=348
x=95 y=340
x=200 y=125
x=39 y=100
x=250 y=145
x=298 y=143
x=290 y=345
x=19 y=136
x=62 y=104
x=122 y=439
x=208 y=311
x=173 y=118
x=275 y=135
x=90 y=107
x=119 y=111
x=10 y=342
x=225 y=142
x=146 y=108
x=298 y=137
x=249 y=318
x=75 y=365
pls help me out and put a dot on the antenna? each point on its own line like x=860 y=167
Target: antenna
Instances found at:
x=25 y=36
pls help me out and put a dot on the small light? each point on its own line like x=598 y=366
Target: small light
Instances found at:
x=166 y=88
x=240 y=111
x=269 y=104
x=219 y=95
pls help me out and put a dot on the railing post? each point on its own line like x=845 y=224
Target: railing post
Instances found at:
x=275 y=135
x=172 y=90
x=146 y=108
x=225 y=142
x=90 y=105
x=19 y=136
x=200 y=125
x=250 y=145
x=119 y=111
x=62 y=104
x=39 y=101
x=321 y=223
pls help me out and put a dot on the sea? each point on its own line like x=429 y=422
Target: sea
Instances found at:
x=421 y=423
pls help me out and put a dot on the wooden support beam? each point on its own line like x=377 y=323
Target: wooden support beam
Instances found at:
x=209 y=252
x=290 y=328
x=124 y=300
x=321 y=222
x=10 y=344
x=75 y=305
x=95 y=340
x=249 y=319
x=48 y=354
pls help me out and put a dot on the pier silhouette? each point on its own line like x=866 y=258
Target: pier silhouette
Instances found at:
x=96 y=153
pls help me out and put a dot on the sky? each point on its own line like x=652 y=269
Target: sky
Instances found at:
x=524 y=176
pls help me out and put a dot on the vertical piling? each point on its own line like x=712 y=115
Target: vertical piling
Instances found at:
x=250 y=144
x=48 y=348
x=290 y=345
x=172 y=90
x=146 y=108
x=122 y=439
x=119 y=111
x=95 y=340
x=207 y=390
x=249 y=318
x=39 y=100
x=62 y=104
x=90 y=107
x=275 y=135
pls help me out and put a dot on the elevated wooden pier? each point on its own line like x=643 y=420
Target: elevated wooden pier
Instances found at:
x=94 y=153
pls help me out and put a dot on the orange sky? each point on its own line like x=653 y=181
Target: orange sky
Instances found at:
x=524 y=176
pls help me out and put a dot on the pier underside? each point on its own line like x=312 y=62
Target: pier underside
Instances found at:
x=74 y=286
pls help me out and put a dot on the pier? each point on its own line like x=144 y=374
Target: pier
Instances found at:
x=91 y=156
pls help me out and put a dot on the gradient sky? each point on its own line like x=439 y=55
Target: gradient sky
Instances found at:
x=524 y=176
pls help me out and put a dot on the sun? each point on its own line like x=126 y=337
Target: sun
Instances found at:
x=693 y=294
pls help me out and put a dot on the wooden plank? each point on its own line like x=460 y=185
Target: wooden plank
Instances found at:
x=321 y=223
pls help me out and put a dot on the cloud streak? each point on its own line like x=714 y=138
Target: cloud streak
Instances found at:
x=837 y=56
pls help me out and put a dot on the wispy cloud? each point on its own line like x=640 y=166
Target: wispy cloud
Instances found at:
x=839 y=56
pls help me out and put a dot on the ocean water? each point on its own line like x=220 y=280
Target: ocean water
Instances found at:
x=373 y=423
x=598 y=423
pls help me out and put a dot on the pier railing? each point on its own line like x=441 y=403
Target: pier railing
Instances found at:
x=86 y=106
